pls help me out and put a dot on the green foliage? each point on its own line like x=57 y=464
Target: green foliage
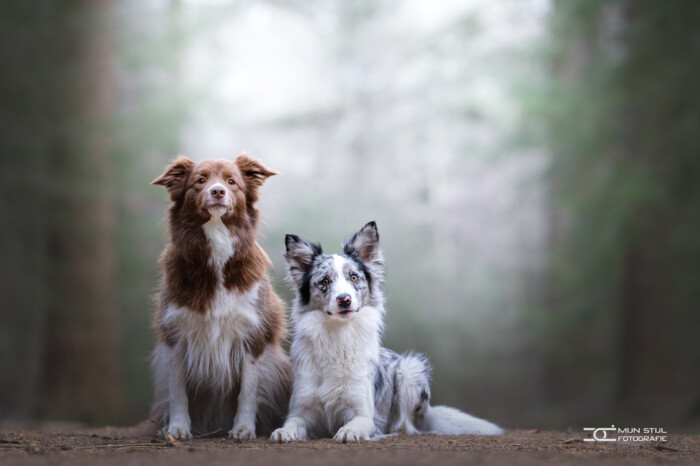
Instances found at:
x=623 y=123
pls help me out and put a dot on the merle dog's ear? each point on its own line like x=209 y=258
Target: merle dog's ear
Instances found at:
x=364 y=245
x=175 y=176
x=300 y=255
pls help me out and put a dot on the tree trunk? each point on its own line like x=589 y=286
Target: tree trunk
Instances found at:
x=82 y=364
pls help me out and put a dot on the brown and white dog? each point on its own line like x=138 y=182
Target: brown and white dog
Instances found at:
x=218 y=365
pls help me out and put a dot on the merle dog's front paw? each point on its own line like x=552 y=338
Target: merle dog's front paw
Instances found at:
x=284 y=435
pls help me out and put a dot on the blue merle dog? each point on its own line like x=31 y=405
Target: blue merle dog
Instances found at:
x=345 y=384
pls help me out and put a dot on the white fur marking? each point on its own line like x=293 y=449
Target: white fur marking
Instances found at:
x=209 y=340
x=221 y=242
x=179 y=414
x=244 y=422
x=341 y=284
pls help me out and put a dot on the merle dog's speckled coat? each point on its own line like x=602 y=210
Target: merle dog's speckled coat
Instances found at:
x=345 y=384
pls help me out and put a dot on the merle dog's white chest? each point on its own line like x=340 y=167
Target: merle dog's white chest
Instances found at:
x=338 y=359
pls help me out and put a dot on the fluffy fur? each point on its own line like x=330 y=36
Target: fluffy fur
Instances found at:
x=218 y=365
x=345 y=384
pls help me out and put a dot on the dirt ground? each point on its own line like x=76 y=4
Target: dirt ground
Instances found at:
x=130 y=446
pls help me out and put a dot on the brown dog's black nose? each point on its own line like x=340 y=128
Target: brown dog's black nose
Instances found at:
x=344 y=300
x=217 y=192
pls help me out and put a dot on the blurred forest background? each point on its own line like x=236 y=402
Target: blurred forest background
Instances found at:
x=533 y=167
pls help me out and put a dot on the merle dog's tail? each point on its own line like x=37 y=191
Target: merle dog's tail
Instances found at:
x=450 y=421
x=411 y=408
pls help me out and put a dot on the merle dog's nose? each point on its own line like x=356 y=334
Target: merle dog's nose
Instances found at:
x=217 y=192
x=344 y=300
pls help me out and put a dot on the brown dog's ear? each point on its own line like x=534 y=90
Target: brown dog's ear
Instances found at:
x=254 y=172
x=175 y=176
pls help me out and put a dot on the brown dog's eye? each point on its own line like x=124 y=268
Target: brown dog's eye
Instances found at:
x=353 y=276
x=325 y=282
x=202 y=180
x=230 y=181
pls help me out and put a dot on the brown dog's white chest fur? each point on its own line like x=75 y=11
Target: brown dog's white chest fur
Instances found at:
x=222 y=244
